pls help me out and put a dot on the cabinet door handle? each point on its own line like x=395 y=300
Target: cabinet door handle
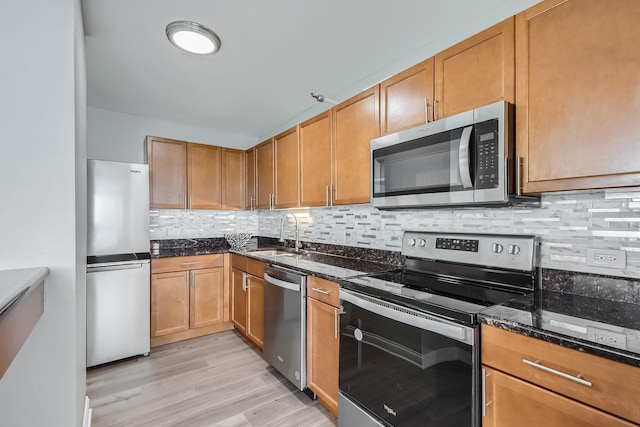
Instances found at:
x=326 y=195
x=578 y=379
x=484 y=392
x=435 y=109
x=322 y=291
x=426 y=110
x=191 y=263
x=518 y=176
x=331 y=190
x=336 y=324
x=244 y=282
x=250 y=203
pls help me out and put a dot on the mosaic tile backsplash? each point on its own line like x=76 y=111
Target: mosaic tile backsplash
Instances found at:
x=567 y=224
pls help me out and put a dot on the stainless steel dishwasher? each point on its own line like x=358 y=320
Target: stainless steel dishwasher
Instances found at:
x=285 y=323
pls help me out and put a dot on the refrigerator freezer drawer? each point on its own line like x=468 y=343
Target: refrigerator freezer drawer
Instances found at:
x=118 y=307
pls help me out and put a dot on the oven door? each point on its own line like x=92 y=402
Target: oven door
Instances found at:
x=404 y=367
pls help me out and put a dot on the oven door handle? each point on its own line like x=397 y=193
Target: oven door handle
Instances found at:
x=463 y=157
x=404 y=315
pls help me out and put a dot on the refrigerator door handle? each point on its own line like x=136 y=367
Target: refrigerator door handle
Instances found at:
x=98 y=269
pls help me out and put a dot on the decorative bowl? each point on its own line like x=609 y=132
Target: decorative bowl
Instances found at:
x=237 y=240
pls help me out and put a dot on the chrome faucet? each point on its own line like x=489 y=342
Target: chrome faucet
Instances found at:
x=282 y=221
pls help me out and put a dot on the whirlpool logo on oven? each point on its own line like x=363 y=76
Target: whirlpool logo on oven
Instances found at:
x=389 y=410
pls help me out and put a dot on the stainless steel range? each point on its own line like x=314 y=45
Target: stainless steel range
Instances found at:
x=409 y=344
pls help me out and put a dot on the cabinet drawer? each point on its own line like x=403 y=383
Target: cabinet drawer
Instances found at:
x=323 y=290
x=239 y=262
x=183 y=263
x=614 y=386
x=255 y=267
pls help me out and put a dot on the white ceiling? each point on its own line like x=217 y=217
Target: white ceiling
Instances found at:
x=273 y=54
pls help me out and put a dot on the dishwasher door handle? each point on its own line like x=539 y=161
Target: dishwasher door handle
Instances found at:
x=281 y=283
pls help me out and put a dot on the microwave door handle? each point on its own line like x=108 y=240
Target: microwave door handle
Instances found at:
x=463 y=157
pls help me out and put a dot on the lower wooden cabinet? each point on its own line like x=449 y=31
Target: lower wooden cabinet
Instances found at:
x=187 y=298
x=247 y=298
x=531 y=382
x=323 y=341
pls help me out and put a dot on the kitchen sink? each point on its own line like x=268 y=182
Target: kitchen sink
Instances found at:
x=273 y=253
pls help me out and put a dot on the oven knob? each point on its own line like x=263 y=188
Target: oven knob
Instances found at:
x=411 y=242
x=513 y=249
x=497 y=248
x=422 y=243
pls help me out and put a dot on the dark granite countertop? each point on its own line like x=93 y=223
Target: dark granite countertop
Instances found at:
x=598 y=326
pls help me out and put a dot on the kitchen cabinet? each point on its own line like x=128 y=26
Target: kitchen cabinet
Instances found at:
x=541 y=383
x=315 y=160
x=250 y=178
x=477 y=71
x=264 y=175
x=577 y=94
x=286 y=173
x=194 y=176
x=247 y=298
x=188 y=298
x=406 y=99
x=323 y=340
x=204 y=176
x=167 y=160
x=233 y=179
x=355 y=123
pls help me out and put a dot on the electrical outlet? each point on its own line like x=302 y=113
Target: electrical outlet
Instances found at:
x=607 y=258
x=604 y=337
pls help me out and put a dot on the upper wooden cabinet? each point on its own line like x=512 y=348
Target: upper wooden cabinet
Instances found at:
x=264 y=175
x=167 y=160
x=204 y=176
x=577 y=94
x=355 y=123
x=477 y=71
x=250 y=178
x=286 y=149
x=406 y=99
x=233 y=178
x=315 y=160
x=195 y=176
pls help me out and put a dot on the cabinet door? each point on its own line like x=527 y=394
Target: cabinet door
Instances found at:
x=169 y=303
x=577 y=94
x=264 y=175
x=406 y=99
x=167 y=160
x=286 y=150
x=255 y=310
x=232 y=179
x=250 y=168
x=477 y=71
x=238 y=300
x=204 y=167
x=513 y=402
x=315 y=160
x=356 y=123
x=323 y=345
x=206 y=297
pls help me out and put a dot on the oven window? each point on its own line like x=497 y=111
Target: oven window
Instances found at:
x=430 y=164
x=405 y=375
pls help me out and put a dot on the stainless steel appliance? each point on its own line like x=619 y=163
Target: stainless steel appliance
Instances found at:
x=285 y=323
x=466 y=159
x=118 y=265
x=409 y=343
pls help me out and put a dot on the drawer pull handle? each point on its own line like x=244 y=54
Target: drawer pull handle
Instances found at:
x=191 y=263
x=322 y=291
x=577 y=379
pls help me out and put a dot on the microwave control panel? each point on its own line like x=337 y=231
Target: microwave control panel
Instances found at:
x=487 y=154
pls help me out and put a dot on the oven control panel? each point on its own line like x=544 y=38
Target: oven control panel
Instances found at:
x=495 y=250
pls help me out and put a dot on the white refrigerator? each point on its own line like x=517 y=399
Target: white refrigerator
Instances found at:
x=118 y=261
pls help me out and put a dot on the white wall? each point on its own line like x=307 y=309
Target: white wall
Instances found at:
x=45 y=383
x=120 y=137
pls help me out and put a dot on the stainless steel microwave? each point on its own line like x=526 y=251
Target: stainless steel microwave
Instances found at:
x=462 y=160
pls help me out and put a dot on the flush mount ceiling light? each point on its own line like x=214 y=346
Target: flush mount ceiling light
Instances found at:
x=193 y=37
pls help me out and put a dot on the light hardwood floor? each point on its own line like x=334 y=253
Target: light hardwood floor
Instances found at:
x=215 y=380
